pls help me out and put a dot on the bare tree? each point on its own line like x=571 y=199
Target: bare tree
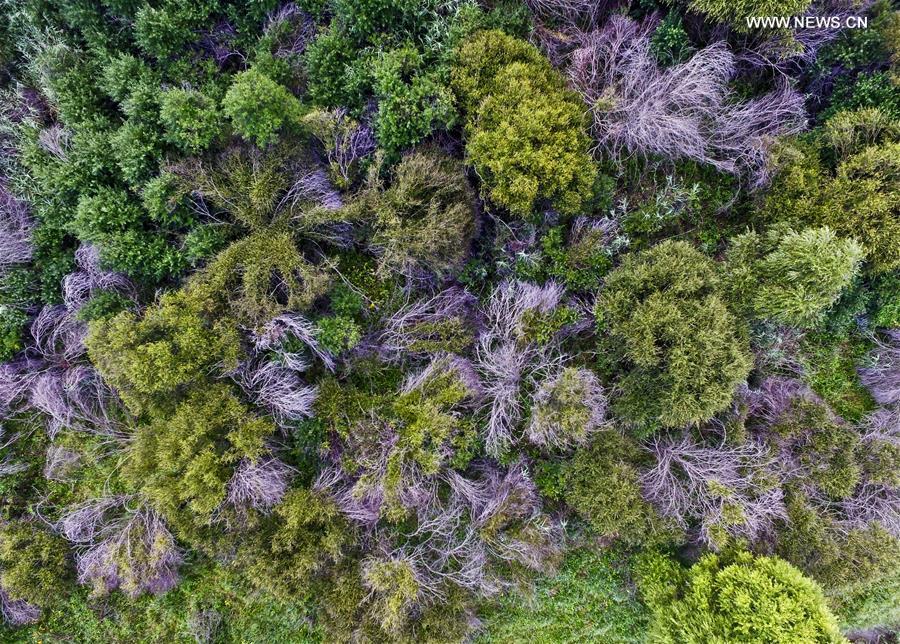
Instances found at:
x=259 y=485
x=408 y=331
x=80 y=285
x=122 y=543
x=17 y=612
x=279 y=329
x=882 y=377
x=59 y=463
x=507 y=359
x=51 y=377
x=15 y=229
x=278 y=389
x=716 y=489
x=682 y=112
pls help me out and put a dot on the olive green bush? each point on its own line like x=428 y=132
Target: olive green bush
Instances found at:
x=737 y=597
x=526 y=133
x=683 y=352
x=791 y=277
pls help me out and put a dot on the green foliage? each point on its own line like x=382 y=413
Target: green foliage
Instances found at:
x=33 y=563
x=670 y=43
x=112 y=220
x=103 y=305
x=865 y=184
x=683 y=351
x=363 y=20
x=426 y=219
x=828 y=450
x=260 y=108
x=844 y=561
x=481 y=58
x=333 y=78
x=602 y=485
x=395 y=587
x=205 y=241
x=12 y=327
x=525 y=131
x=588 y=600
x=166 y=30
x=850 y=132
x=580 y=264
x=563 y=406
x=411 y=101
x=291 y=557
x=855 y=48
x=886 y=296
x=175 y=343
x=182 y=461
x=191 y=118
x=241 y=277
x=791 y=277
x=739 y=598
x=830 y=369
x=338 y=334
x=165 y=200
x=873 y=605
x=211 y=598
x=244 y=182
x=735 y=13
x=867 y=90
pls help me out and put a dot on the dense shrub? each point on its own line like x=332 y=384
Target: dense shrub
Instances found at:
x=411 y=102
x=426 y=219
x=308 y=534
x=864 y=184
x=791 y=277
x=183 y=461
x=33 y=563
x=191 y=119
x=683 y=351
x=525 y=130
x=602 y=484
x=736 y=13
x=172 y=345
x=736 y=597
x=259 y=277
x=260 y=108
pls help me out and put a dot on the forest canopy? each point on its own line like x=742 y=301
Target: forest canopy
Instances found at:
x=476 y=321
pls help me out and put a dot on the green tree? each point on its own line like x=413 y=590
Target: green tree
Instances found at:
x=860 y=201
x=525 y=131
x=734 y=598
x=260 y=108
x=791 y=277
x=182 y=461
x=682 y=350
x=412 y=102
x=173 y=345
x=191 y=119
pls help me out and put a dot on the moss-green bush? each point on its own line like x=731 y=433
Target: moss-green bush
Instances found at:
x=737 y=598
x=525 y=131
x=683 y=351
x=34 y=563
x=426 y=219
x=601 y=483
